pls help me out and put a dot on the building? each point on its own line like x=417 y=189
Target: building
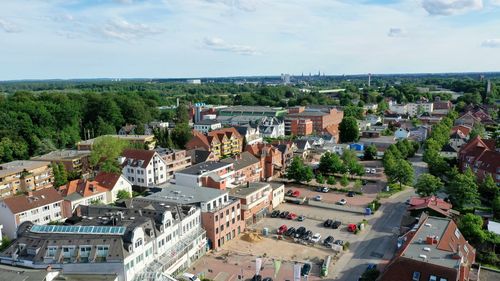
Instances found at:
x=270 y=157
x=73 y=160
x=252 y=111
x=321 y=117
x=441 y=108
x=401 y=134
x=272 y=127
x=23 y=176
x=475 y=115
x=134 y=242
x=175 y=159
x=220 y=214
x=429 y=119
x=301 y=127
x=205 y=126
x=433 y=250
x=481 y=157
x=114 y=183
x=255 y=200
x=199 y=156
x=419 y=133
x=373 y=119
x=40 y=207
x=415 y=109
x=250 y=134
x=82 y=192
x=456 y=141
x=278 y=194
x=223 y=142
x=219 y=175
x=147 y=141
x=143 y=167
x=431 y=205
x=247 y=168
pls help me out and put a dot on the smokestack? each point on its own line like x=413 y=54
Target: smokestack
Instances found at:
x=369 y=79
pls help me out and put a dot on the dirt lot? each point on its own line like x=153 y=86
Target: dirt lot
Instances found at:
x=334 y=197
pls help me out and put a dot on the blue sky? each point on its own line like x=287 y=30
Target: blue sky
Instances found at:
x=42 y=39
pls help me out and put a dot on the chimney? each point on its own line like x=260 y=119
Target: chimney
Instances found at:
x=248 y=184
x=429 y=240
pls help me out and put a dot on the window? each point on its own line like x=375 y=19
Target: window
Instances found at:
x=443 y=279
x=45 y=208
x=432 y=278
x=102 y=251
x=216 y=230
x=85 y=251
x=138 y=243
x=457 y=233
x=416 y=276
x=227 y=224
x=221 y=227
x=216 y=218
x=51 y=251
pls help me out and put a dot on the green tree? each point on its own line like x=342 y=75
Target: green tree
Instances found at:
x=298 y=172
x=428 y=184
x=182 y=115
x=488 y=188
x=370 y=275
x=471 y=227
x=105 y=153
x=348 y=129
x=60 y=174
x=331 y=180
x=123 y=194
x=330 y=163
x=495 y=205
x=463 y=189
x=370 y=152
x=181 y=135
x=320 y=179
x=477 y=130
x=403 y=173
x=344 y=180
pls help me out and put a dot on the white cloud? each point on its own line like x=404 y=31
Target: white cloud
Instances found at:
x=451 y=7
x=245 y=5
x=494 y=2
x=396 y=32
x=123 y=30
x=8 y=26
x=218 y=44
x=491 y=43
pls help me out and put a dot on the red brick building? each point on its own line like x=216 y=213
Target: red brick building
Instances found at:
x=247 y=168
x=255 y=201
x=270 y=157
x=321 y=118
x=481 y=157
x=301 y=127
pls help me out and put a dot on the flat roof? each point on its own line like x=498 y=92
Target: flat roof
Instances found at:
x=245 y=108
x=245 y=190
x=12 y=273
x=185 y=194
x=129 y=137
x=204 y=167
x=65 y=154
x=14 y=167
x=207 y=122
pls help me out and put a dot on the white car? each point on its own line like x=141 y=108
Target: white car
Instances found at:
x=316 y=237
x=317 y=198
x=367 y=170
x=342 y=202
x=373 y=170
x=189 y=277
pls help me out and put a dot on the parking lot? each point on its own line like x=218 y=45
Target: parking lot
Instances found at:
x=333 y=197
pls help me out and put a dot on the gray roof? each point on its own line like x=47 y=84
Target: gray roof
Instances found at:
x=184 y=194
x=21 y=274
x=65 y=154
x=244 y=190
x=245 y=159
x=18 y=166
x=199 y=155
x=204 y=167
x=207 y=122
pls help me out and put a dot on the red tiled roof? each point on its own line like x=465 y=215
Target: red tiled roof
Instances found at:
x=107 y=180
x=424 y=202
x=83 y=187
x=137 y=155
x=35 y=199
x=462 y=128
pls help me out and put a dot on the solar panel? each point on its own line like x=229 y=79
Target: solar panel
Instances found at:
x=78 y=229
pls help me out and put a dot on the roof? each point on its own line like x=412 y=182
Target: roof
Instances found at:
x=432 y=202
x=250 y=109
x=207 y=122
x=220 y=133
x=22 y=274
x=199 y=155
x=462 y=128
x=107 y=180
x=247 y=189
x=19 y=166
x=449 y=148
x=77 y=189
x=483 y=152
x=123 y=137
x=243 y=129
x=137 y=157
x=204 y=167
x=185 y=195
x=241 y=161
x=35 y=199
x=65 y=154
x=494 y=227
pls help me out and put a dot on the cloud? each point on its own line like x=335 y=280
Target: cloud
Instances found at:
x=491 y=43
x=218 y=44
x=127 y=31
x=494 y=2
x=396 y=32
x=8 y=26
x=451 y=7
x=245 y=5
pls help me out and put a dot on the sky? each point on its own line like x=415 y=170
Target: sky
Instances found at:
x=64 y=39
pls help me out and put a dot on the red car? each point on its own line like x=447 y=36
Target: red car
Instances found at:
x=282 y=229
x=295 y=193
x=352 y=227
x=291 y=216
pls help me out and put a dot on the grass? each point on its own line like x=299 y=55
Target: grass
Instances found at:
x=393 y=189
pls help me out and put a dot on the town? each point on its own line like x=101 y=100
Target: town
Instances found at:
x=305 y=177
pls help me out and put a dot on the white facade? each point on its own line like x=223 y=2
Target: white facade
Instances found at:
x=121 y=184
x=373 y=119
x=272 y=128
x=415 y=109
x=278 y=196
x=205 y=127
x=40 y=215
x=154 y=173
x=398 y=108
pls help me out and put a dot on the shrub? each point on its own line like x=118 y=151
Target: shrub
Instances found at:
x=346 y=245
x=344 y=181
x=331 y=180
x=374 y=205
x=320 y=179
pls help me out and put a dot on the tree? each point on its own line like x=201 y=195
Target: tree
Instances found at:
x=477 y=130
x=331 y=180
x=123 y=194
x=403 y=173
x=370 y=275
x=370 y=152
x=105 y=153
x=181 y=135
x=330 y=163
x=488 y=188
x=344 y=181
x=471 y=227
x=495 y=205
x=348 y=129
x=181 y=114
x=298 y=172
x=428 y=184
x=320 y=179
x=463 y=189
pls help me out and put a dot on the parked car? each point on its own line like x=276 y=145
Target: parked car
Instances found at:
x=282 y=229
x=325 y=190
x=291 y=216
x=295 y=193
x=284 y=214
x=367 y=170
x=289 y=192
x=350 y=194
x=189 y=277
x=336 y=224
x=342 y=202
x=328 y=241
x=307 y=235
x=306 y=268
x=257 y=278
x=352 y=227
x=316 y=237
x=290 y=231
x=301 y=218
x=317 y=198
x=339 y=242
x=275 y=214
x=328 y=223
x=373 y=170
x=298 y=233
x=267 y=279
x=319 y=189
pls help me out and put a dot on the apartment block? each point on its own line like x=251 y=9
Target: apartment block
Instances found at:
x=73 y=160
x=219 y=175
x=143 y=167
x=223 y=142
x=175 y=159
x=255 y=200
x=324 y=119
x=247 y=168
x=23 y=176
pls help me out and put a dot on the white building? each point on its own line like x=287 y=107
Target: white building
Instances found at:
x=278 y=194
x=206 y=126
x=398 y=108
x=271 y=127
x=415 y=109
x=114 y=183
x=209 y=174
x=39 y=207
x=143 y=167
x=401 y=134
x=373 y=119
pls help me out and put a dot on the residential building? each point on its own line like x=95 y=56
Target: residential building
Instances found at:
x=223 y=142
x=134 y=242
x=373 y=119
x=419 y=133
x=303 y=148
x=126 y=130
x=441 y=108
x=114 y=183
x=82 y=192
x=220 y=214
x=475 y=115
x=322 y=118
x=271 y=158
x=429 y=119
x=481 y=157
x=143 y=167
x=287 y=150
x=401 y=134
x=431 y=205
x=219 y=175
x=401 y=109
x=463 y=129
x=415 y=109
x=255 y=200
x=277 y=194
x=433 y=250
x=251 y=134
x=23 y=176
x=301 y=127
x=247 y=168
x=200 y=155
x=40 y=207
x=147 y=141
x=451 y=149
x=205 y=126
x=175 y=159
x=272 y=127
x=73 y=160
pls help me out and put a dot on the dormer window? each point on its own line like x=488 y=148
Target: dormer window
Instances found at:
x=138 y=243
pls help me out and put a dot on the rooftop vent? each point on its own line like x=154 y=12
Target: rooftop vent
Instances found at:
x=427 y=249
x=428 y=225
x=423 y=257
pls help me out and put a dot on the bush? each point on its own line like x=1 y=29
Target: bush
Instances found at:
x=5 y=243
x=331 y=180
x=344 y=181
x=346 y=245
x=374 y=205
x=320 y=179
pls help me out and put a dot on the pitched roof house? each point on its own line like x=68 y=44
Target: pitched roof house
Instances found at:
x=481 y=157
x=432 y=205
x=222 y=142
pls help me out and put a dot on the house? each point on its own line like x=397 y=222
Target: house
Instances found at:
x=82 y=192
x=255 y=200
x=415 y=109
x=250 y=134
x=146 y=141
x=463 y=129
x=205 y=126
x=23 y=176
x=129 y=242
x=114 y=183
x=432 y=205
x=434 y=249
x=175 y=159
x=126 y=130
x=277 y=194
x=200 y=156
x=271 y=158
x=401 y=134
x=247 y=168
x=75 y=161
x=321 y=118
x=356 y=147
x=373 y=119
x=40 y=207
x=219 y=175
x=303 y=148
x=481 y=157
x=221 y=216
x=272 y=127
x=419 y=133
x=143 y=167
x=287 y=150
x=223 y=142
x=429 y=119
x=441 y=108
